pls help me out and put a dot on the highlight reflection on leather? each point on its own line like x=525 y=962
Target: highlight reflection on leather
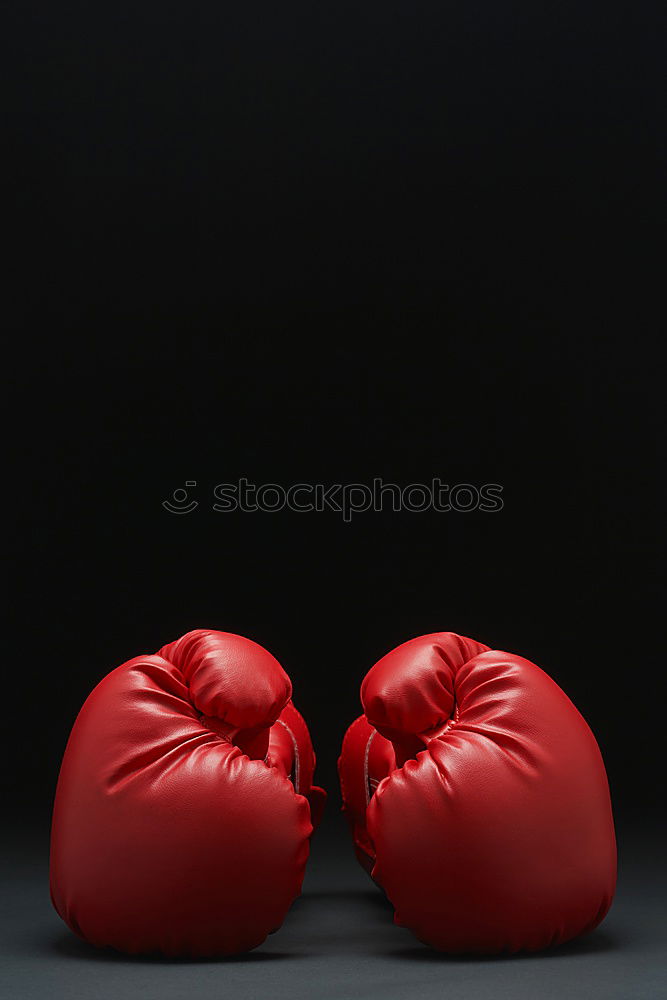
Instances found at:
x=478 y=799
x=185 y=802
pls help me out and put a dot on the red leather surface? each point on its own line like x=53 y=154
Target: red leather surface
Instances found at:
x=493 y=829
x=166 y=836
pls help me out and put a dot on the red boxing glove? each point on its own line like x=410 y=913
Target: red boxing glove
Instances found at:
x=478 y=799
x=185 y=802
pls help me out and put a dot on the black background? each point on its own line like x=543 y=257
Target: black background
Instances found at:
x=323 y=243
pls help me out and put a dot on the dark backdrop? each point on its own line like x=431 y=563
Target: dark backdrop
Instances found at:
x=323 y=243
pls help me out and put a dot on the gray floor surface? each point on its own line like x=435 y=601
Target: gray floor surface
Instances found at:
x=338 y=942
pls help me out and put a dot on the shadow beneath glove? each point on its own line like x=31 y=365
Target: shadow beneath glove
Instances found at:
x=68 y=946
x=598 y=942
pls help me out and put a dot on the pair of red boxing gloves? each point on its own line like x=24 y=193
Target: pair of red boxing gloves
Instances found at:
x=475 y=791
